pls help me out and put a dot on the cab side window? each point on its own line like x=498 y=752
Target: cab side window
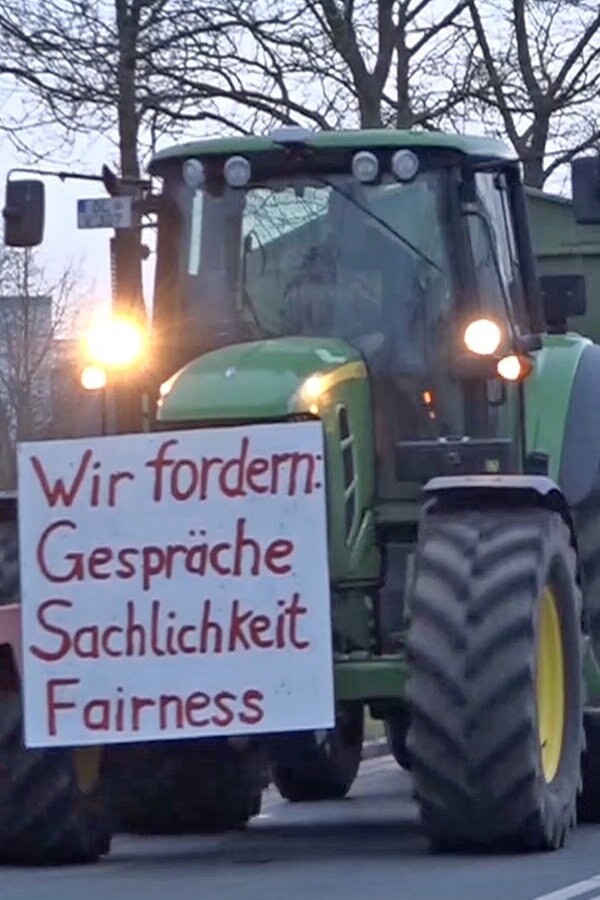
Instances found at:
x=494 y=250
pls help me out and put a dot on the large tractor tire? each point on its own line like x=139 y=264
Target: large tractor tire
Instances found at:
x=51 y=810
x=9 y=563
x=306 y=769
x=185 y=787
x=495 y=686
x=52 y=804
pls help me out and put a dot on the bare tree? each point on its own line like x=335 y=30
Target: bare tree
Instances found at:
x=536 y=78
x=109 y=66
x=333 y=63
x=34 y=314
x=138 y=69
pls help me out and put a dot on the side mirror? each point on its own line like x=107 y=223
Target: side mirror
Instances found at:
x=24 y=213
x=585 y=186
x=563 y=296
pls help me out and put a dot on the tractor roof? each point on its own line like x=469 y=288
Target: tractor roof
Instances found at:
x=469 y=145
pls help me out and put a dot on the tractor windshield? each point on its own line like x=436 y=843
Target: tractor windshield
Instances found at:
x=322 y=256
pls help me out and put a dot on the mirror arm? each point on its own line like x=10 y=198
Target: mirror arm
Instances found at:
x=80 y=176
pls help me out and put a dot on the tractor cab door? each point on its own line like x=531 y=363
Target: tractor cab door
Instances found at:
x=466 y=267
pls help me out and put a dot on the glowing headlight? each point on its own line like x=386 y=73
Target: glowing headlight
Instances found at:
x=312 y=389
x=483 y=337
x=114 y=344
x=514 y=368
x=93 y=378
x=311 y=392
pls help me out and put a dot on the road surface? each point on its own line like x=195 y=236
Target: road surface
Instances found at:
x=368 y=846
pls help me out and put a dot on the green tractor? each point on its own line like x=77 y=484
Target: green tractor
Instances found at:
x=383 y=283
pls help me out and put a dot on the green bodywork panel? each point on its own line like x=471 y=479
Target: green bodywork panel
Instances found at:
x=548 y=395
x=475 y=146
x=372 y=678
x=262 y=381
x=251 y=381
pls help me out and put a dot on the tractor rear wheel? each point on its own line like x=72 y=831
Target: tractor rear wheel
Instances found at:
x=51 y=810
x=185 y=787
x=306 y=769
x=495 y=686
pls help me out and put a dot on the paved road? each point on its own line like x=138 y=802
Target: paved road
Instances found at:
x=366 y=847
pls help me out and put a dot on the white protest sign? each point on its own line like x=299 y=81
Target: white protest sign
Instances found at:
x=175 y=585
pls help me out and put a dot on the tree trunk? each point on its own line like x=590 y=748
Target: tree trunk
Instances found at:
x=370 y=108
x=129 y=288
x=127 y=28
x=404 y=115
x=533 y=157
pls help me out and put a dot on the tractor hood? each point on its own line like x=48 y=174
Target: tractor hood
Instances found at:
x=268 y=379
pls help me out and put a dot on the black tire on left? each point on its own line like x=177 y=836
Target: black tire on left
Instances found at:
x=46 y=817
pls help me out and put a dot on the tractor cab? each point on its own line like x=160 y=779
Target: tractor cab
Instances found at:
x=411 y=249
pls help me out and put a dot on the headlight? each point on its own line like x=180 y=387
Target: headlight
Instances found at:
x=514 y=368
x=115 y=343
x=312 y=388
x=365 y=166
x=93 y=378
x=483 y=337
x=237 y=171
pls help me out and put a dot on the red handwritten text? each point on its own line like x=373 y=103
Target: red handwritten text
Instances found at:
x=165 y=712
x=159 y=631
x=241 y=556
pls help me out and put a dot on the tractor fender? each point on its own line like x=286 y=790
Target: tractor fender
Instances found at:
x=579 y=472
x=473 y=491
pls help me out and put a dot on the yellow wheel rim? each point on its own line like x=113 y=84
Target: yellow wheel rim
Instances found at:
x=87 y=762
x=550 y=686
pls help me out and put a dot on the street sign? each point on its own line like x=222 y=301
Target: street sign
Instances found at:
x=104 y=212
